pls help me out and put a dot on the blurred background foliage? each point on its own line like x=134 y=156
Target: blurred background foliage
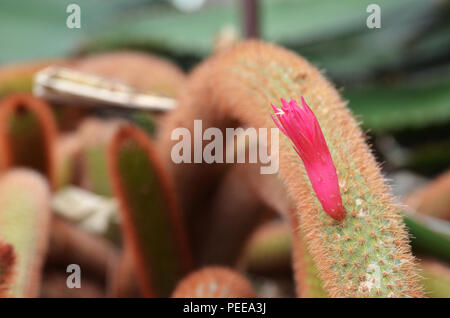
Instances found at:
x=396 y=78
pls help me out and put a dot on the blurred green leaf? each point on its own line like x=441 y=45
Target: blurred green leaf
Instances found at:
x=37 y=29
x=403 y=105
x=430 y=236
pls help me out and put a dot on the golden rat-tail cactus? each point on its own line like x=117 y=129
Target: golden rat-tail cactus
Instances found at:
x=214 y=282
x=151 y=219
x=366 y=253
x=24 y=223
x=27 y=134
x=7 y=263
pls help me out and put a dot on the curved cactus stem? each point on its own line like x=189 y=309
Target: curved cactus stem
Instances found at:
x=27 y=135
x=24 y=223
x=7 y=265
x=365 y=255
x=151 y=218
x=214 y=282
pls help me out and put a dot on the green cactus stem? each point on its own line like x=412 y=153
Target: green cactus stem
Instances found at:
x=27 y=135
x=151 y=218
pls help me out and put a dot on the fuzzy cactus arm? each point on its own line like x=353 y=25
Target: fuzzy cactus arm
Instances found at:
x=365 y=255
x=151 y=218
x=24 y=223
x=27 y=135
x=214 y=282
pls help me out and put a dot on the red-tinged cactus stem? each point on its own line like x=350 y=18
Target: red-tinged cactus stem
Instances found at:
x=433 y=199
x=151 y=218
x=27 y=135
x=214 y=282
x=7 y=265
x=24 y=223
x=365 y=255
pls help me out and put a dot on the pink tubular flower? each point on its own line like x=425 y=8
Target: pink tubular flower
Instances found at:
x=301 y=126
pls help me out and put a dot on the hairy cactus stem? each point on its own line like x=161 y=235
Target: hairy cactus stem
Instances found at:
x=367 y=253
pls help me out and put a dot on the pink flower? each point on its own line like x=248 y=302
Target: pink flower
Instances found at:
x=301 y=126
